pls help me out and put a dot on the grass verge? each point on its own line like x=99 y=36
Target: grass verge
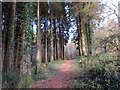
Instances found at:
x=48 y=70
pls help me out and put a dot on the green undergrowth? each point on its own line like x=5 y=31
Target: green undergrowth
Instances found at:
x=16 y=80
x=76 y=66
x=10 y=80
x=101 y=71
x=48 y=70
x=26 y=81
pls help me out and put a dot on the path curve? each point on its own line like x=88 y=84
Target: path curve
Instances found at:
x=62 y=79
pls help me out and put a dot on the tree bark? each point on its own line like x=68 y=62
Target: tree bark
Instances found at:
x=83 y=32
x=51 y=40
x=63 y=56
x=17 y=45
x=10 y=42
x=4 y=43
x=25 y=64
x=55 y=41
x=46 y=44
x=60 y=40
x=79 y=35
x=1 y=63
x=38 y=41
x=89 y=36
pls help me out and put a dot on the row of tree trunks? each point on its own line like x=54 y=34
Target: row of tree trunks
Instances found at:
x=51 y=44
x=18 y=39
x=85 y=34
x=82 y=36
x=15 y=55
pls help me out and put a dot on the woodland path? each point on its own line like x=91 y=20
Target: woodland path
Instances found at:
x=63 y=79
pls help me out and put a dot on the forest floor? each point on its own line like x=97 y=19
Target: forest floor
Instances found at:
x=63 y=78
x=87 y=74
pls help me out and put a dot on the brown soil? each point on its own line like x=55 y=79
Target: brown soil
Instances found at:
x=63 y=78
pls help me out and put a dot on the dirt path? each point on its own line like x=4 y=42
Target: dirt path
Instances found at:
x=62 y=78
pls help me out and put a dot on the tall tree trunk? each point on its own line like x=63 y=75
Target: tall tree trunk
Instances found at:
x=38 y=41
x=46 y=44
x=56 y=48
x=51 y=40
x=83 y=32
x=25 y=64
x=1 y=63
x=4 y=43
x=89 y=36
x=63 y=56
x=10 y=41
x=79 y=35
x=55 y=41
x=17 y=44
x=56 y=45
x=60 y=40
x=63 y=52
